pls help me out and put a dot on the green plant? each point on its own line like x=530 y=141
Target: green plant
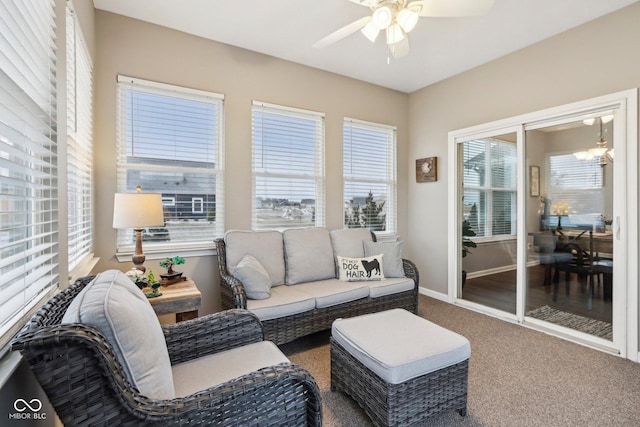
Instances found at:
x=466 y=242
x=467 y=231
x=168 y=263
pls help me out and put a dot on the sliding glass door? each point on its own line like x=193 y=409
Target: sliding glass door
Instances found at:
x=569 y=216
x=544 y=221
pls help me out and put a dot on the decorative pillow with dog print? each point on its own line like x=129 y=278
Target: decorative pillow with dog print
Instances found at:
x=360 y=269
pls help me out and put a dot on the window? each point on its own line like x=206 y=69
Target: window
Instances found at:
x=79 y=143
x=369 y=169
x=28 y=161
x=288 y=167
x=576 y=186
x=170 y=142
x=490 y=186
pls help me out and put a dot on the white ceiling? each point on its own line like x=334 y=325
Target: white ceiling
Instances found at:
x=440 y=47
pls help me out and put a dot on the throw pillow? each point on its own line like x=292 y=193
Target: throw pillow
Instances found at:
x=392 y=252
x=361 y=269
x=254 y=277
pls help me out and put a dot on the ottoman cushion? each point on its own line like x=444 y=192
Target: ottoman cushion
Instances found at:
x=398 y=345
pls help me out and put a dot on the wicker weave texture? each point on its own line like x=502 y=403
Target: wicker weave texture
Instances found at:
x=78 y=369
x=288 y=328
x=405 y=404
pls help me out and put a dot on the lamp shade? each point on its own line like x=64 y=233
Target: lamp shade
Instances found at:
x=137 y=210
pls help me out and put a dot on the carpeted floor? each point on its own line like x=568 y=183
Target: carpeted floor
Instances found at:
x=594 y=327
x=517 y=377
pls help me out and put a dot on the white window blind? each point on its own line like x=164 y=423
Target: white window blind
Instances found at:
x=170 y=142
x=369 y=169
x=489 y=183
x=577 y=186
x=288 y=167
x=28 y=162
x=79 y=142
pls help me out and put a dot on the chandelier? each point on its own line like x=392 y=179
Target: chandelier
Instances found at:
x=600 y=151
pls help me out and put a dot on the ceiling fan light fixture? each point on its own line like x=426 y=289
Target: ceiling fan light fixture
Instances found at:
x=370 y=31
x=382 y=17
x=407 y=19
x=394 y=34
x=589 y=122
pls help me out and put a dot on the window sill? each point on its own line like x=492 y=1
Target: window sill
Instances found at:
x=125 y=255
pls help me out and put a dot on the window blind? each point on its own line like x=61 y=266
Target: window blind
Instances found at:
x=577 y=185
x=489 y=183
x=369 y=170
x=79 y=142
x=288 y=167
x=28 y=161
x=170 y=142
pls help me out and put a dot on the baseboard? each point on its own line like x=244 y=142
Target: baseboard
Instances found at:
x=502 y=269
x=433 y=294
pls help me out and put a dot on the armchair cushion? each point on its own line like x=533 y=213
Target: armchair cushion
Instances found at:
x=348 y=242
x=309 y=255
x=113 y=304
x=254 y=277
x=392 y=259
x=265 y=246
x=209 y=371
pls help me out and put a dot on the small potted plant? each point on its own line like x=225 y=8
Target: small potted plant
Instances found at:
x=154 y=284
x=467 y=243
x=168 y=263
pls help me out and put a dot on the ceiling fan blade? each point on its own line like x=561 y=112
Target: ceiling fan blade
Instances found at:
x=452 y=8
x=342 y=32
x=367 y=3
x=400 y=49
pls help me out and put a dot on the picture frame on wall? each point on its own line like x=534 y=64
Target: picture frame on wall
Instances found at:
x=427 y=169
x=534 y=181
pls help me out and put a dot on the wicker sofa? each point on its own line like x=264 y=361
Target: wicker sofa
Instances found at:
x=304 y=302
x=79 y=366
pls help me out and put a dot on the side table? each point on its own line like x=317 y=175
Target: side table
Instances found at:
x=182 y=298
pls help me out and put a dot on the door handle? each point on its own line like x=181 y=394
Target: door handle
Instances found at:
x=617 y=228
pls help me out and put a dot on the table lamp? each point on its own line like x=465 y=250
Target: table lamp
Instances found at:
x=137 y=210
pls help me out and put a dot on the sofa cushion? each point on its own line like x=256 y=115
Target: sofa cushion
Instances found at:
x=388 y=286
x=256 y=281
x=309 y=255
x=333 y=291
x=209 y=371
x=117 y=307
x=265 y=246
x=398 y=345
x=284 y=301
x=348 y=242
x=359 y=269
x=392 y=252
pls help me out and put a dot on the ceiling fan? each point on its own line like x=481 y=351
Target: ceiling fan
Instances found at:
x=398 y=17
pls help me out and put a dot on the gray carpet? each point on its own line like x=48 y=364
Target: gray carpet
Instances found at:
x=594 y=327
x=517 y=377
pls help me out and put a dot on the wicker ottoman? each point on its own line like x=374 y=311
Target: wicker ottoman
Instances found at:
x=400 y=368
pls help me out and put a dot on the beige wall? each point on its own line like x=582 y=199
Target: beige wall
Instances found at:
x=138 y=49
x=594 y=59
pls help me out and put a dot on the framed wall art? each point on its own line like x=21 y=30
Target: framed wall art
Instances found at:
x=534 y=181
x=427 y=169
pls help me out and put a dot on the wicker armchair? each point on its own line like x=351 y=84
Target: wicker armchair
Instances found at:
x=87 y=385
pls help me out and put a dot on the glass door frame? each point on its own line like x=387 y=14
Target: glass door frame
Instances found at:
x=625 y=225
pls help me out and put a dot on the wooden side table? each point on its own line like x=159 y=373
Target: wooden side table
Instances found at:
x=182 y=298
